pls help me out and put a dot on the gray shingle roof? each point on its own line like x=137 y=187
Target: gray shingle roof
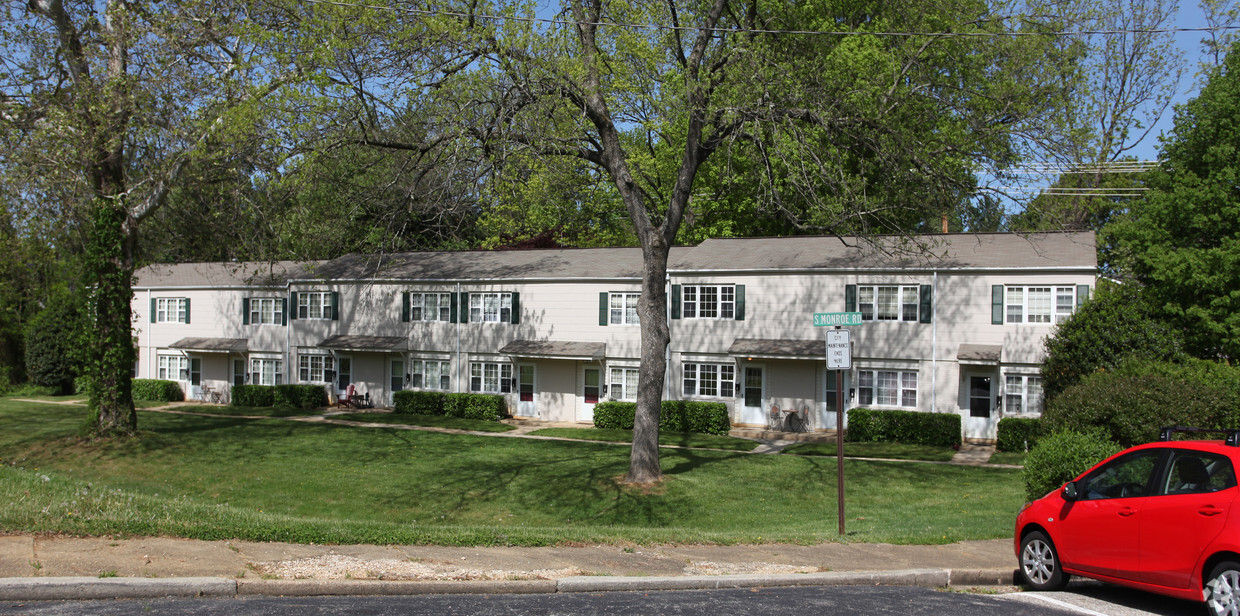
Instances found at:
x=365 y=343
x=228 y=274
x=489 y=265
x=755 y=347
x=552 y=348
x=218 y=345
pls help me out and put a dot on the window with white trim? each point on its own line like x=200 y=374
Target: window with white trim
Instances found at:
x=430 y=307
x=888 y=302
x=1022 y=394
x=708 y=301
x=623 y=384
x=172 y=368
x=1042 y=304
x=490 y=377
x=266 y=371
x=313 y=368
x=314 y=305
x=266 y=311
x=887 y=388
x=709 y=380
x=490 y=307
x=623 y=308
x=430 y=374
x=171 y=310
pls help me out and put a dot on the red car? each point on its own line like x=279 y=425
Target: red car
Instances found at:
x=1161 y=517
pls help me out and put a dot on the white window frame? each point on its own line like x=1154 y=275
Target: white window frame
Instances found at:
x=172 y=367
x=708 y=301
x=313 y=367
x=490 y=377
x=430 y=373
x=877 y=387
x=309 y=309
x=170 y=310
x=1038 y=304
x=421 y=310
x=266 y=311
x=708 y=379
x=266 y=371
x=622 y=383
x=622 y=308
x=1022 y=392
x=903 y=302
x=490 y=307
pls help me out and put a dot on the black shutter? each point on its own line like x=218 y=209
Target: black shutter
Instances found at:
x=335 y=305
x=516 y=308
x=675 y=301
x=604 y=309
x=850 y=298
x=927 y=303
x=283 y=311
x=464 y=307
x=996 y=304
x=740 y=302
x=245 y=311
x=292 y=302
x=152 y=309
x=404 y=307
x=452 y=312
x=187 y=311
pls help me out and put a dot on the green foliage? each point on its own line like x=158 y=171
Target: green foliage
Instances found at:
x=299 y=396
x=871 y=425
x=674 y=416
x=252 y=395
x=1131 y=403
x=1061 y=457
x=155 y=390
x=705 y=418
x=1019 y=434
x=487 y=407
x=419 y=402
x=616 y=415
x=1117 y=323
x=51 y=344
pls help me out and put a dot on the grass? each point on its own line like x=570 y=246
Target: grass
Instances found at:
x=666 y=439
x=428 y=421
x=250 y=411
x=893 y=451
x=276 y=480
x=1016 y=458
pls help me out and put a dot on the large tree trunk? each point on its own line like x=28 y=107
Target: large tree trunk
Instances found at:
x=652 y=307
x=110 y=346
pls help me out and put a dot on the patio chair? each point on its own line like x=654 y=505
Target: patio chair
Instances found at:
x=774 y=421
x=347 y=398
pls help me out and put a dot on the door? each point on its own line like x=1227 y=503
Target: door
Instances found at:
x=591 y=391
x=982 y=421
x=1189 y=509
x=396 y=379
x=754 y=395
x=1099 y=532
x=527 y=405
x=834 y=379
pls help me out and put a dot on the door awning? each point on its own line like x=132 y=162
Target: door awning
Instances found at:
x=212 y=345
x=980 y=354
x=758 y=348
x=548 y=349
x=366 y=344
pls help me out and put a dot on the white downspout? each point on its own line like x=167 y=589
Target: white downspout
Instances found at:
x=150 y=356
x=934 y=346
x=460 y=367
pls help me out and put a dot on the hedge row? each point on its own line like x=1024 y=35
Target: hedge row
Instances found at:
x=1019 y=433
x=486 y=407
x=155 y=390
x=294 y=396
x=674 y=416
x=870 y=425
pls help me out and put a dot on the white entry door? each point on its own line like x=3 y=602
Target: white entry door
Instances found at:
x=981 y=421
x=527 y=405
x=754 y=396
x=591 y=391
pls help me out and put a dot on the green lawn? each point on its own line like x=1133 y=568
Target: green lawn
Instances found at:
x=1016 y=458
x=894 y=451
x=279 y=480
x=430 y=421
x=667 y=439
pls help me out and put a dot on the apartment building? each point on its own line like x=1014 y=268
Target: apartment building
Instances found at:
x=951 y=323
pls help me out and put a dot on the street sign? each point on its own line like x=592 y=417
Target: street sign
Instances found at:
x=831 y=319
x=839 y=349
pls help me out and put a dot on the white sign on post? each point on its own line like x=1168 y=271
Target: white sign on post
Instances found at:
x=839 y=349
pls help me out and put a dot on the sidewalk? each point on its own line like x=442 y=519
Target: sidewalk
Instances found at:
x=39 y=568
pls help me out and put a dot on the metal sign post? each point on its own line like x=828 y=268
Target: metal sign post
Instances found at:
x=839 y=358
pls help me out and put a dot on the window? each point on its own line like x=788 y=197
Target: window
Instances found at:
x=171 y=310
x=266 y=311
x=623 y=309
x=490 y=377
x=1039 y=304
x=623 y=384
x=313 y=368
x=888 y=302
x=173 y=368
x=490 y=307
x=430 y=306
x=315 y=305
x=709 y=301
x=266 y=371
x=430 y=374
x=715 y=380
x=887 y=388
x=1022 y=394
x=1125 y=477
x=1198 y=472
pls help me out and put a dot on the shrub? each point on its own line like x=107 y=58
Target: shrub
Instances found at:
x=1131 y=403
x=912 y=427
x=706 y=418
x=674 y=416
x=613 y=415
x=299 y=396
x=50 y=345
x=486 y=407
x=1018 y=433
x=155 y=390
x=1058 y=458
x=253 y=395
x=418 y=402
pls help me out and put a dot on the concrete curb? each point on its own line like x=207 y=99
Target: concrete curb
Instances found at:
x=85 y=588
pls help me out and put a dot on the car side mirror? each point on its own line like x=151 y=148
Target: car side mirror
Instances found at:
x=1069 y=492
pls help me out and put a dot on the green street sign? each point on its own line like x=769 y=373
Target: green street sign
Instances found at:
x=827 y=319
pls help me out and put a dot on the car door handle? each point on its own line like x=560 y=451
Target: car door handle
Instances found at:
x=1209 y=510
x=1127 y=512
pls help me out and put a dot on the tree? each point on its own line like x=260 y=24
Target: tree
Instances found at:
x=1180 y=242
x=103 y=107
x=52 y=357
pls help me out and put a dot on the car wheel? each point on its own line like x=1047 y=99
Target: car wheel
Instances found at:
x=1039 y=563
x=1222 y=589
